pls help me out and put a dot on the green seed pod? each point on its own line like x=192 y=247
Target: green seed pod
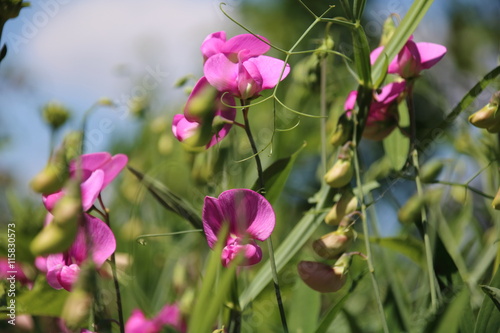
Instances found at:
x=431 y=170
x=321 y=277
x=52 y=178
x=411 y=211
x=340 y=174
x=343 y=131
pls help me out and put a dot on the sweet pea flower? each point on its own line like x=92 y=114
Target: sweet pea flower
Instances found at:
x=170 y=316
x=382 y=117
x=98 y=170
x=250 y=217
x=413 y=58
x=238 y=65
x=63 y=268
x=189 y=126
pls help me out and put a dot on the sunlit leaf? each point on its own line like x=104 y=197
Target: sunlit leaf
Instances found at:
x=397 y=145
x=447 y=318
x=305 y=306
x=276 y=175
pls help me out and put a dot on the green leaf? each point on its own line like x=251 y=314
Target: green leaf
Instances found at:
x=330 y=315
x=488 y=319
x=401 y=35
x=305 y=307
x=406 y=245
x=276 y=175
x=168 y=199
x=42 y=300
x=289 y=247
x=447 y=318
x=214 y=289
x=397 y=145
x=494 y=294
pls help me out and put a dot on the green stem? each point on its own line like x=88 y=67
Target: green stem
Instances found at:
x=369 y=258
x=425 y=227
x=115 y=275
x=262 y=190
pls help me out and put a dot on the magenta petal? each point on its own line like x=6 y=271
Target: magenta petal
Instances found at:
x=53 y=276
x=251 y=252
x=91 y=161
x=390 y=92
x=170 y=315
x=212 y=218
x=91 y=188
x=249 y=80
x=430 y=54
x=253 y=44
x=50 y=200
x=138 y=323
x=213 y=44
x=68 y=276
x=375 y=54
x=102 y=238
x=41 y=264
x=270 y=70
x=222 y=73
x=183 y=128
x=350 y=102
x=113 y=167
x=248 y=212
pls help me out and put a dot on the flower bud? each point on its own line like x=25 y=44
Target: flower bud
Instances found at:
x=53 y=176
x=340 y=174
x=326 y=45
x=343 y=131
x=388 y=30
x=200 y=107
x=487 y=117
x=431 y=170
x=321 y=277
x=347 y=204
x=72 y=144
x=69 y=208
x=411 y=211
x=496 y=201
x=333 y=244
x=53 y=238
x=55 y=114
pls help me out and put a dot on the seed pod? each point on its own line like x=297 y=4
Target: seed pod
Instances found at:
x=411 y=211
x=347 y=204
x=53 y=238
x=333 y=244
x=321 y=277
x=430 y=171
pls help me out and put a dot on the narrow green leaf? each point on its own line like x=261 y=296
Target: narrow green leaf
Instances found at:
x=447 y=319
x=330 y=315
x=359 y=7
x=488 y=319
x=168 y=199
x=305 y=307
x=406 y=245
x=276 y=175
x=289 y=247
x=494 y=294
x=397 y=145
x=42 y=300
x=401 y=35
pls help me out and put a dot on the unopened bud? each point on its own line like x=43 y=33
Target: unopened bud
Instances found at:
x=104 y=101
x=411 y=211
x=388 y=30
x=72 y=145
x=69 y=208
x=326 y=45
x=55 y=114
x=343 y=131
x=50 y=180
x=347 y=204
x=321 y=277
x=487 y=117
x=333 y=244
x=138 y=106
x=53 y=238
x=200 y=107
x=496 y=201
x=431 y=170
x=340 y=174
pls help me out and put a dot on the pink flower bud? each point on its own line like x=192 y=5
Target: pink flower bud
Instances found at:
x=321 y=277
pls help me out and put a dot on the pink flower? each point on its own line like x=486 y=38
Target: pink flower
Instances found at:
x=382 y=117
x=250 y=217
x=63 y=268
x=413 y=58
x=170 y=315
x=7 y=270
x=238 y=65
x=98 y=170
x=187 y=125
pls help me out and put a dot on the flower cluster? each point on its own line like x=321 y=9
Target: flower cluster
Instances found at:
x=233 y=69
x=84 y=236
